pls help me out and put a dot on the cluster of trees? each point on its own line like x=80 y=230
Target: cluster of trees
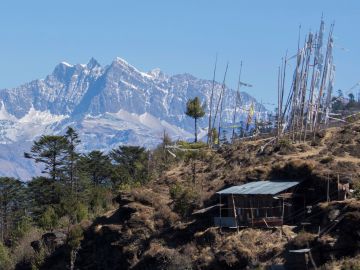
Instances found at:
x=340 y=103
x=74 y=186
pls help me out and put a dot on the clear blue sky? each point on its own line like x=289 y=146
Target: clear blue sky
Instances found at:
x=177 y=36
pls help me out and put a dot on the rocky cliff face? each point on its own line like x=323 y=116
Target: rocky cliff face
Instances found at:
x=110 y=105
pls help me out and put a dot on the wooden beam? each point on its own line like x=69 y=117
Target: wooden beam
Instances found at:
x=235 y=215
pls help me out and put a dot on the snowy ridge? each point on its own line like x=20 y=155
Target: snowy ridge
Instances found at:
x=110 y=105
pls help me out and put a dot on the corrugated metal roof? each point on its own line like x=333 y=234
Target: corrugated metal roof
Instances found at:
x=260 y=187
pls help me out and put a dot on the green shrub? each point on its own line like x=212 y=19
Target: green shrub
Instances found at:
x=22 y=227
x=82 y=212
x=76 y=235
x=185 y=199
x=187 y=145
x=327 y=159
x=356 y=187
x=303 y=239
x=74 y=209
x=5 y=260
x=49 y=219
x=100 y=199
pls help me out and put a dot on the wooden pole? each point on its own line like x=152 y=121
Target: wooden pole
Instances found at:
x=322 y=84
x=311 y=258
x=220 y=99
x=283 y=91
x=305 y=80
x=278 y=113
x=311 y=101
x=209 y=139
x=338 y=185
x=283 y=212
x=328 y=189
x=252 y=214
x=220 y=214
x=236 y=102
x=235 y=215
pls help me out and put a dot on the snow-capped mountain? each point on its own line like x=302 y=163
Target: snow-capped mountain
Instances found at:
x=110 y=105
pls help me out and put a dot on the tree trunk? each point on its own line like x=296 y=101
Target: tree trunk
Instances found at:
x=195 y=129
x=73 y=254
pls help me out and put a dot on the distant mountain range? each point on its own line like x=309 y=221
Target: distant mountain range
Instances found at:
x=110 y=105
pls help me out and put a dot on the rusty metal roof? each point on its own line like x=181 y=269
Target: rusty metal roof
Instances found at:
x=270 y=187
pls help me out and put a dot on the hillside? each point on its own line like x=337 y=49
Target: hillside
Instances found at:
x=149 y=230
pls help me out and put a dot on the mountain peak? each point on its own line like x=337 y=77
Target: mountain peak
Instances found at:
x=121 y=61
x=157 y=74
x=62 y=70
x=66 y=64
x=93 y=63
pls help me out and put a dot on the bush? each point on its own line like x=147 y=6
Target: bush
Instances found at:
x=284 y=147
x=187 y=145
x=49 y=219
x=303 y=239
x=5 y=261
x=356 y=192
x=39 y=257
x=185 y=199
x=74 y=209
x=23 y=253
x=327 y=159
x=100 y=200
x=76 y=235
x=21 y=228
x=351 y=264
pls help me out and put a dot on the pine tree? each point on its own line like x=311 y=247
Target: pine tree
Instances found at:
x=10 y=203
x=51 y=151
x=161 y=157
x=43 y=192
x=131 y=164
x=224 y=139
x=72 y=156
x=97 y=166
x=195 y=110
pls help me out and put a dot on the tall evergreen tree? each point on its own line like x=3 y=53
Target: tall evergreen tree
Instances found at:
x=11 y=190
x=51 y=151
x=72 y=156
x=196 y=110
x=224 y=139
x=43 y=193
x=97 y=166
x=131 y=164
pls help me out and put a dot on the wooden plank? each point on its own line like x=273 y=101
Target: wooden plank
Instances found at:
x=235 y=215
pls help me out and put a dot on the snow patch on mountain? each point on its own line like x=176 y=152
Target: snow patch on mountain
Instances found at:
x=109 y=106
x=36 y=117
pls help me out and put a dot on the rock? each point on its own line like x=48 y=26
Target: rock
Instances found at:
x=36 y=245
x=54 y=240
x=333 y=214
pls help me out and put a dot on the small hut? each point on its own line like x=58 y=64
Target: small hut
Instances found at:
x=261 y=203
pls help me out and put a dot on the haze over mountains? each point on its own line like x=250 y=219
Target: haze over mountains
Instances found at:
x=108 y=105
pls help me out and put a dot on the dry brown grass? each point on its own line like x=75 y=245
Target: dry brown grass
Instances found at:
x=23 y=252
x=303 y=239
x=166 y=258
